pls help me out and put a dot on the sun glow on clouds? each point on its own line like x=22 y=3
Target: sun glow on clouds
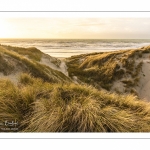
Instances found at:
x=101 y=28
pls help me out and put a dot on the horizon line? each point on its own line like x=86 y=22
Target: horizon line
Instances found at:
x=77 y=38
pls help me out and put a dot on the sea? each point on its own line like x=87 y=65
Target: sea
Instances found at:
x=69 y=47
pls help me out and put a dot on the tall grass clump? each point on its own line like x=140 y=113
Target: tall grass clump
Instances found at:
x=78 y=108
x=40 y=106
x=16 y=100
x=26 y=79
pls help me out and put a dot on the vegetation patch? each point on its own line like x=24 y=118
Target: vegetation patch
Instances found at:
x=31 y=52
x=30 y=66
x=103 y=69
x=40 y=106
x=45 y=100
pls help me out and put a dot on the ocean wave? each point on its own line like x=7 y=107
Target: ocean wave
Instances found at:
x=70 y=47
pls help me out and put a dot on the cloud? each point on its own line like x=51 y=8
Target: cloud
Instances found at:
x=77 y=27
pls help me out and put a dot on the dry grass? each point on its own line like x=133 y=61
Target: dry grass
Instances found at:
x=32 y=52
x=146 y=49
x=96 y=69
x=44 y=107
x=28 y=65
x=45 y=100
x=102 y=69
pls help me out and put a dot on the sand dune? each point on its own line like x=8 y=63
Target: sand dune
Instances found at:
x=15 y=60
x=125 y=72
x=98 y=92
x=89 y=69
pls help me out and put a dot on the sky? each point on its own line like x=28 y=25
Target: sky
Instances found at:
x=75 y=28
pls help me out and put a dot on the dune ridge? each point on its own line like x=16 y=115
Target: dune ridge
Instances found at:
x=124 y=71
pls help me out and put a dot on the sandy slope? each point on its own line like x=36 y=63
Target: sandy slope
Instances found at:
x=12 y=77
x=47 y=60
x=143 y=87
x=54 y=63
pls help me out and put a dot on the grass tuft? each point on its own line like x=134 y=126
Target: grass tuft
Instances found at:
x=45 y=107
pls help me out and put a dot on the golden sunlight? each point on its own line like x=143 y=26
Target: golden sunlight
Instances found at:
x=75 y=28
x=8 y=29
x=4 y=32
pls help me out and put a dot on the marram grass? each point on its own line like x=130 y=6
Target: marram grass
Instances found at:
x=13 y=59
x=58 y=107
x=102 y=69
